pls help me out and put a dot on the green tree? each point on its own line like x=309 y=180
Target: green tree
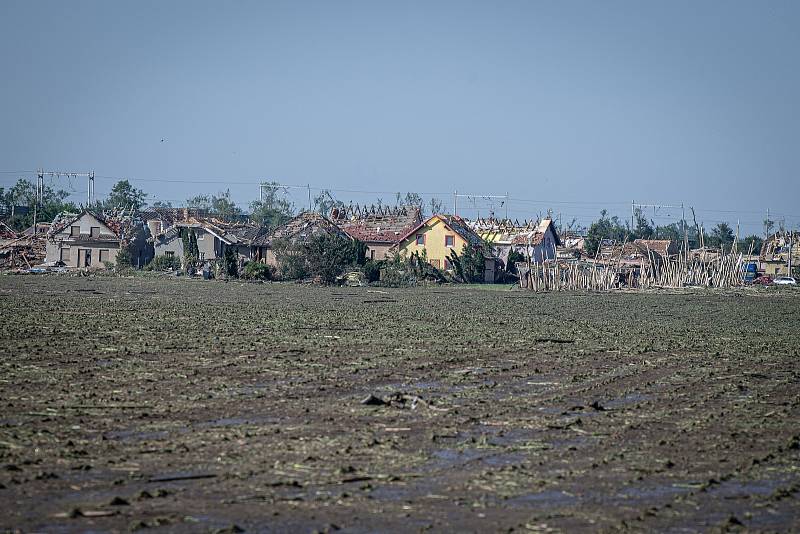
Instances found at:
x=23 y=193
x=604 y=228
x=514 y=257
x=291 y=260
x=126 y=197
x=230 y=264
x=273 y=209
x=411 y=199
x=328 y=255
x=722 y=235
x=643 y=228
x=756 y=241
x=436 y=206
x=470 y=265
x=325 y=202
x=220 y=205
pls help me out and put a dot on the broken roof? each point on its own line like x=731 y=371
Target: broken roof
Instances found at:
x=455 y=223
x=120 y=225
x=382 y=225
x=228 y=233
x=303 y=226
x=536 y=236
x=664 y=247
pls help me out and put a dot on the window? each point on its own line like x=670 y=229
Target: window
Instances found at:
x=103 y=255
x=449 y=240
x=169 y=253
x=436 y=263
x=74 y=231
x=202 y=255
x=447 y=265
x=421 y=240
x=65 y=254
x=95 y=231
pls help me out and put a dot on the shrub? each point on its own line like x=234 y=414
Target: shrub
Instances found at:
x=513 y=258
x=323 y=255
x=164 y=263
x=372 y=270
x=257 y=271
x=327 y=256
x=230 y=262
x=124 y=259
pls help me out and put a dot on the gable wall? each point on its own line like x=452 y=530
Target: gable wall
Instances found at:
x=434 y=232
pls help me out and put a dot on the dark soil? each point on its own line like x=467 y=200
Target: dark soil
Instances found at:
x=159 y=403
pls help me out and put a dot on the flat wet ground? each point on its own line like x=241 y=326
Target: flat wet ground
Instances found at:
x=177 y=405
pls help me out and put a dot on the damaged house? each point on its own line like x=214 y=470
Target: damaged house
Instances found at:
x=438 y=236
x=778 y=251
x=213 y=238
x=379 y=228
x=297 y=230
x=539 y=244
x=89 y=239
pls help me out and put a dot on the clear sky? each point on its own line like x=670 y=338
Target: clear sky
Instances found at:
x=570 y=105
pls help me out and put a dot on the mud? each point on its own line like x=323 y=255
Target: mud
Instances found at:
x=185 y=406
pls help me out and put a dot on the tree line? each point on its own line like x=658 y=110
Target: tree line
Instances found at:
x=612 y=228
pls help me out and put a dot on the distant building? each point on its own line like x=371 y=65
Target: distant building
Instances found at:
x=298 y=230
x=438 y=236
x=213 y=238
x=775 y=252
x=500 y=234
x=89 y=240
x=380 y=228
x=538 y=244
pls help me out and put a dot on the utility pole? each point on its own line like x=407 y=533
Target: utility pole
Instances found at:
x=39 y=195
x=90 y=189
x=506 y=205
x=455 y=202
x=685 y=234
x=308 y=186
x=633 y=213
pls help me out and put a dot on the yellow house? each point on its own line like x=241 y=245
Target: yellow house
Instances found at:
x=438 y=236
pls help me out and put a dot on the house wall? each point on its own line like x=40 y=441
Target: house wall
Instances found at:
x=110 y=250
x=378 y=251
x=65 y=241
x=545 y=250
x=174 y=245
x=209 y=246
x=776 y=268
x=434 y=232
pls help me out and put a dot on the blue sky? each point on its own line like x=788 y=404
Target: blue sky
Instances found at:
x=573 y=106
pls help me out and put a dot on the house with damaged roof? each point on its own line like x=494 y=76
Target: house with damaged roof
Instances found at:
x=538 y=244
x=296 y=231
x=438 y=236
x=213 y=238
x=379 y=228
x=89 y=239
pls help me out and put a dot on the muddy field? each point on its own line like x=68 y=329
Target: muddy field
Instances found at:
x=178 y=405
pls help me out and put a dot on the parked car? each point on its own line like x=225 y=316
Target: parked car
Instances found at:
x=785 y=281
x=763 y=280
